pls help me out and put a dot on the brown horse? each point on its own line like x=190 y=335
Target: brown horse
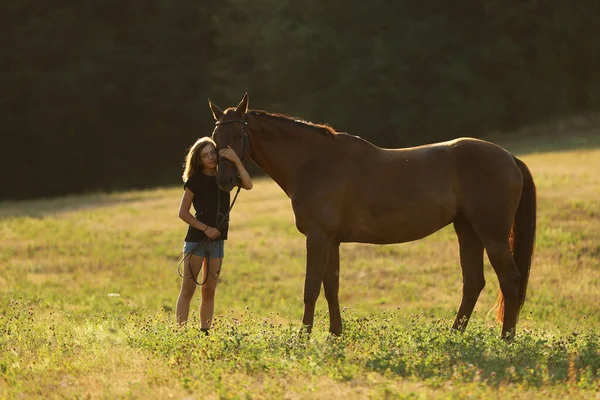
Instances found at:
x=345 y=189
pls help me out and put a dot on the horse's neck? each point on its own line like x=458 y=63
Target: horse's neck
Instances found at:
x=279 y=150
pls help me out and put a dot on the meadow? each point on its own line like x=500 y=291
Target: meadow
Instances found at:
x=88 y=286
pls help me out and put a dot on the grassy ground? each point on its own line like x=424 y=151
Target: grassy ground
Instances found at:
x=88 y=286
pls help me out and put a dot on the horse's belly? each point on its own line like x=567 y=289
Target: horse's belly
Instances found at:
x=401 y=226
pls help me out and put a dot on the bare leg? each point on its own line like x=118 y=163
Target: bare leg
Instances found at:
x=207 y=306
x=192 y=265
x=471 y=262
x=317 y=253
x=331 y=285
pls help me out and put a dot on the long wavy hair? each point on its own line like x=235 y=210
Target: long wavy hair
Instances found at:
x=192 y=163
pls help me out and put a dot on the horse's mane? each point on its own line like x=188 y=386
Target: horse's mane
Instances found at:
x=322 y=129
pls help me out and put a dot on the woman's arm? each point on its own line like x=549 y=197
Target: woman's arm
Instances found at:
x=186 y=216
x=244 y=176
x=229 y=154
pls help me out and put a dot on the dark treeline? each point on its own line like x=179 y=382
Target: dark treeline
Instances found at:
x=107 y=95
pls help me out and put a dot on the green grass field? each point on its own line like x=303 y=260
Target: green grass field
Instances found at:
x=88 y=286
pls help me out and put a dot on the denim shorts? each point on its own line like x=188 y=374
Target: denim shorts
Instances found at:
x=216 y=248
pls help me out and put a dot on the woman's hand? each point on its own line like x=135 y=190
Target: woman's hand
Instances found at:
x=230 y=155
x=212 y=233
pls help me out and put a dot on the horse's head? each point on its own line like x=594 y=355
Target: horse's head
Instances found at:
x=230 y=130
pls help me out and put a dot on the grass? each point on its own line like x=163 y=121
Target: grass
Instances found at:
x=88 y=286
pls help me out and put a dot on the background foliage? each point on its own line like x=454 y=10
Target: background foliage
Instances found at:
x=105 y=96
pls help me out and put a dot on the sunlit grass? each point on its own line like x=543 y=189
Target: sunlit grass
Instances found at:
x=88 y=286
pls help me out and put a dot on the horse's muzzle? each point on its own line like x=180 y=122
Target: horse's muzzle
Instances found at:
x=226 y=175
x=226 y=184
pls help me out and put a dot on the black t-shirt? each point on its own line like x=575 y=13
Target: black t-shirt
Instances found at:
x=206 y=191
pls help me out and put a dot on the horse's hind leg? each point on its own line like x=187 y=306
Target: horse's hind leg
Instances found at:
x=331 y=285
x=471 y=262
x=501 y=257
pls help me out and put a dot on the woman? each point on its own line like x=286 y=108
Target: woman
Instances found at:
x=203 y=237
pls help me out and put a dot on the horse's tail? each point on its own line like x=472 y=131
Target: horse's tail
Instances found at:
x=522 y=237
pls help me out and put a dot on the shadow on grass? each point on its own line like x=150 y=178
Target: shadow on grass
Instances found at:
x=40 y=208
x=427 y=350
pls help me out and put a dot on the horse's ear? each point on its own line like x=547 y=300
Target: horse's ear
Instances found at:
x=243 y=106
x=216 y=111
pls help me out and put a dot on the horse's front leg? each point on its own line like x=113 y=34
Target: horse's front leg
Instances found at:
x=331 y=285
x=317 y=254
